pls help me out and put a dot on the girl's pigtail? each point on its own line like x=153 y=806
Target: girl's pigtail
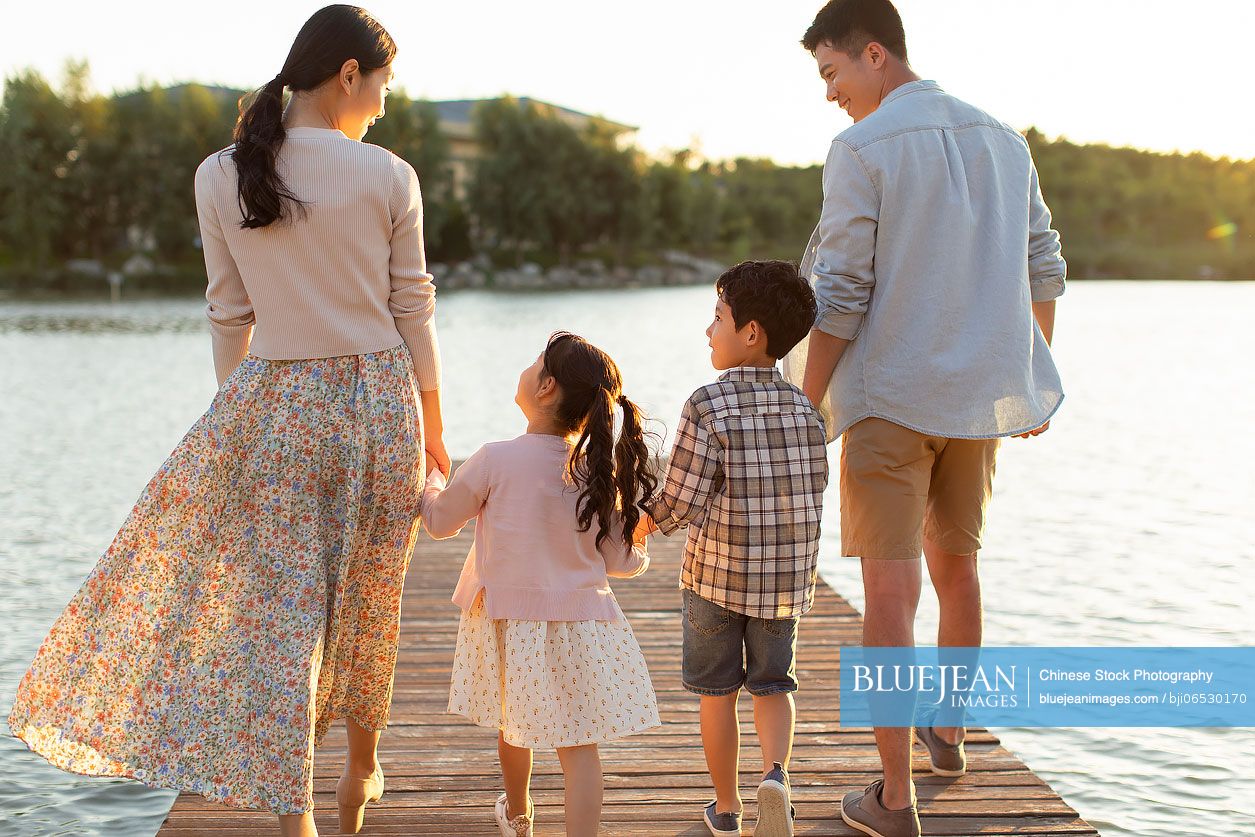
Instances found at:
x=633 y=475
x=592 y=459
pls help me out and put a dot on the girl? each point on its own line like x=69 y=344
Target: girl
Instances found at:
x=544 y=653
x=253 y=594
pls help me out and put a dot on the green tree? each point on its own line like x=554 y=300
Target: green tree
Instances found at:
x=548 y=189
x=103 y=177
x=667 y=203
x=41 y=141
x=411 y=130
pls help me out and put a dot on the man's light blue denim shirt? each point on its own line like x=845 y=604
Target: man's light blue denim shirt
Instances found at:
x=932 y=244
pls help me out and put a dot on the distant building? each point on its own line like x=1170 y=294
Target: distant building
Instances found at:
x=456 y=125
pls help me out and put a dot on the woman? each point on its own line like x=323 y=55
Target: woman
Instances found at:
x=253 y=594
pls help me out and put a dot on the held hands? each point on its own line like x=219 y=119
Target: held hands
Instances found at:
x=644 y=528
x=438 y=457
x=1036 y=432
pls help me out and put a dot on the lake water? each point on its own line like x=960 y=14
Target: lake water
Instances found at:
x=1130 y=522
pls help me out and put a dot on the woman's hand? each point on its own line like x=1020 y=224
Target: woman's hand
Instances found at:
x=438 y=457
x=433 y=430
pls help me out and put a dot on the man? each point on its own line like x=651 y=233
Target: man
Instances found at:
x=935 y=270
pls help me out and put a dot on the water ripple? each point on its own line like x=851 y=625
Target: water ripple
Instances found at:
x=1126 y=524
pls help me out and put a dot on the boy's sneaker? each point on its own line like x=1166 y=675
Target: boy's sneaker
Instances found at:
x=775 y=809
x=520 y=826
x=723 y=825
x=864 y=811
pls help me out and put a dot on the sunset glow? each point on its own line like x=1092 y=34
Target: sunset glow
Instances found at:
x=727 y=78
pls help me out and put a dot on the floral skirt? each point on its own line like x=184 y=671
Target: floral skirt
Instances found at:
x=551 y=684
x=252 y=595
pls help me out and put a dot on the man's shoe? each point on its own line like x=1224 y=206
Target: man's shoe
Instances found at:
x=775 y=809
x=722 y=825
x=943 y=759
x=864 y=811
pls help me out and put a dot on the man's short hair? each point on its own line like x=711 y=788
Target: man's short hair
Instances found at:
x=773 y=294
x=850 y=25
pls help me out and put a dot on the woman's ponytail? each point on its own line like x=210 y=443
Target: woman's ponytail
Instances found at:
x=258 y=137
x=332 y=35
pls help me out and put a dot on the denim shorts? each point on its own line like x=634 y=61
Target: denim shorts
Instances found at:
x=724 y=650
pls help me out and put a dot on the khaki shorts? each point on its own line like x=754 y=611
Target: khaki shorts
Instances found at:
x=899 y=487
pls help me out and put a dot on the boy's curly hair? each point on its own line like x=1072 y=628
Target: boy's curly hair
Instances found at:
x=774 y=295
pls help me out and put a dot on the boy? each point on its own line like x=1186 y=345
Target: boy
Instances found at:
x=747 y=476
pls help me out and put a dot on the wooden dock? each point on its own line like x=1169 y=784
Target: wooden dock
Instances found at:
x=442 y=773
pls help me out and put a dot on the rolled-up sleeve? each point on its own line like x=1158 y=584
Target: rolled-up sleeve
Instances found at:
x=1046 y=268
x=412 y=300
x=845 y=248
x=229 y=308
x=693 y=475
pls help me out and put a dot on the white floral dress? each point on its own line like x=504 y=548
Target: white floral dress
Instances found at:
x=551 y=684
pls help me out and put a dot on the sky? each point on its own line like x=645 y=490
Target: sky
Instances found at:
x=726 y=77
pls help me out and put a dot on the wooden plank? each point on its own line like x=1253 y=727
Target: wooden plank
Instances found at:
x=443 y=775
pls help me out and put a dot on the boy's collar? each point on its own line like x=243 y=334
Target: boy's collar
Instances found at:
x=752 y=373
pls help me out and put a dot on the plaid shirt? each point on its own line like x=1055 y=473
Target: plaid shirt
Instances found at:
x=747 y=476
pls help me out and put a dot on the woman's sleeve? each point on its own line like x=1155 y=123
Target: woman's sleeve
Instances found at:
x=447 y=508
x=413 y=297
x=230 y=310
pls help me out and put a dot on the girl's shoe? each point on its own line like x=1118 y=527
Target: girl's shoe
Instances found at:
x=352 y=796
x=520 y=826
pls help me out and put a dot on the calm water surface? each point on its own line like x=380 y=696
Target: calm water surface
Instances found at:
x=1129 y=523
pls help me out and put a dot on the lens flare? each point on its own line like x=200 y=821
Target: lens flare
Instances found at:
x=1225 y=230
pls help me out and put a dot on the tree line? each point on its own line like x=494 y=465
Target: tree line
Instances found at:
x=105 y=178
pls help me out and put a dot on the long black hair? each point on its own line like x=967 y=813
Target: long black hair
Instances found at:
x=331 y=36
x=612 y=476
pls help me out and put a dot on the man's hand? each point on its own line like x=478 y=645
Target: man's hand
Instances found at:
x=1044 y=313
x=822 y=356
x=644 y=528
x=1036 y=432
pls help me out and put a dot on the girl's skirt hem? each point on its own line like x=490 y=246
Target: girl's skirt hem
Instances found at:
x=515 y=740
